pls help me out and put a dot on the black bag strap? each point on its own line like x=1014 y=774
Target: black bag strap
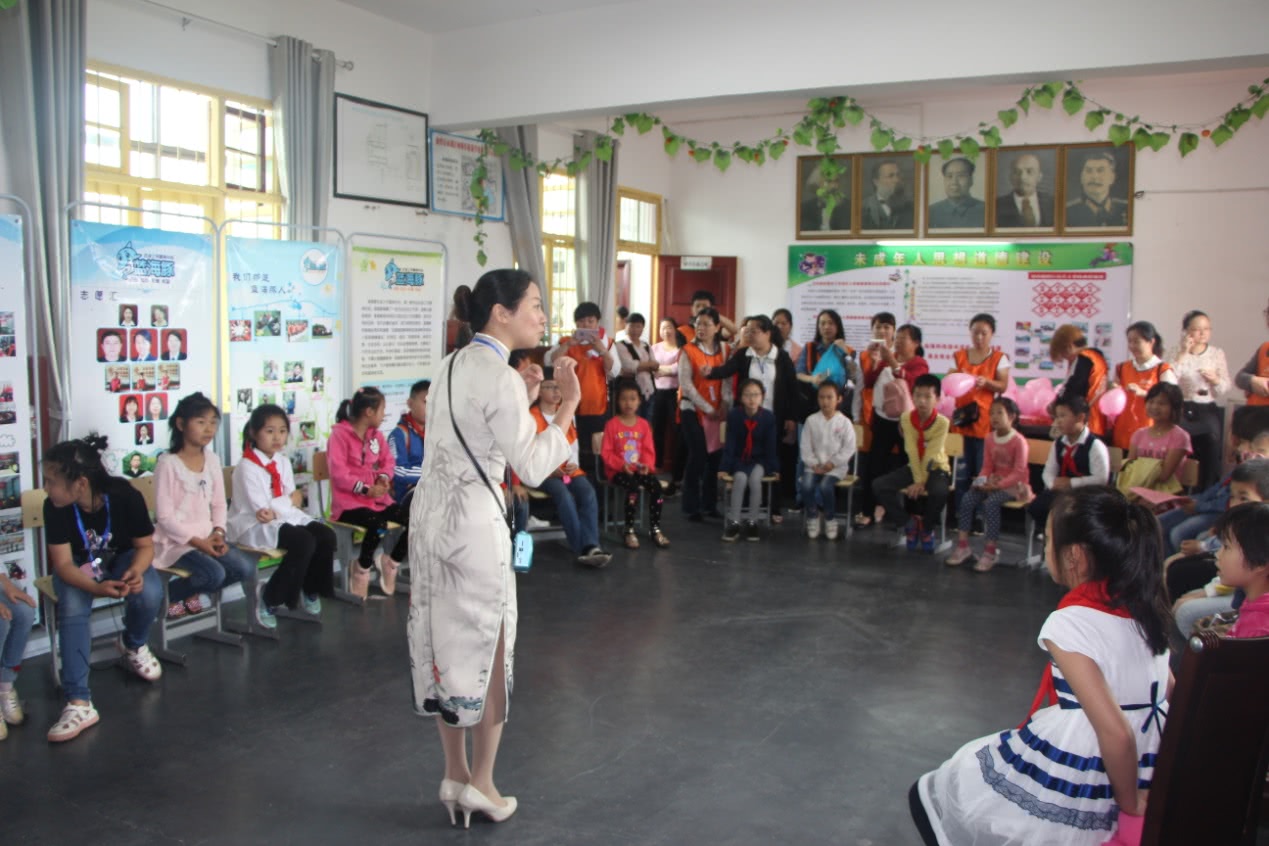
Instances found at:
x=449 y=387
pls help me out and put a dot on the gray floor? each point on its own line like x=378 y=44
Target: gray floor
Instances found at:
x=710 y=693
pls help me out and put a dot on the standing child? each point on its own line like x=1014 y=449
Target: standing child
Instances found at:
x=630 y=458
x=190 y=510
x=265 y=513
x=927 y=474
x=1137 y=376
x=360 y=484
x=828 y=444
x=1078 y=769
x=17 y=615
x=1243 y=562
x=406 y=441
x=748 y=455
x=1163 y=440
x=1005 y=477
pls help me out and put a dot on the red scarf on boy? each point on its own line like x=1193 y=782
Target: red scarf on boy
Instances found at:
x=275 y=478
x=921 y=428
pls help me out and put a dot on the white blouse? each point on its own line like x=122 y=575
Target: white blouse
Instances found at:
x=1194 y=386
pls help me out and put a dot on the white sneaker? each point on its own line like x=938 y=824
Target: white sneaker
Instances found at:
x=812 y=527
x=141 y=661
x=4 y=730
x=11 y=708
x=74 y=719
x=830 y=529
x=536 y=523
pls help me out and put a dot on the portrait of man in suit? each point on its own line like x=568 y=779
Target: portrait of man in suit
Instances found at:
x=887 y=204
x=814 y=218
x=959 y=209
x=1027 y=205
x=1093 y=179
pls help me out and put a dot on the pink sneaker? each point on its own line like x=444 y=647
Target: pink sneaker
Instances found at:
x=194 y=605
x=176 y=610
x=388 y=574
x=358 y=580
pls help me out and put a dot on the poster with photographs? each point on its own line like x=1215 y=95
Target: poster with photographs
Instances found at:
x=140 y=338
x=17 y=469
x=285 y=336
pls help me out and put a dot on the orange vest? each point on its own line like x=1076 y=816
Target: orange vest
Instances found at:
x=593 y=376
x=571 y=434
x=981 y=427
x=1262 y=369
x=866 y=364
x=710 y=389
x=689 y=332
x=1096 y=387
x=1134 y=414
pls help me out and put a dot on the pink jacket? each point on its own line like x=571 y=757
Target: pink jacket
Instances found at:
x=1008 y=460
x=355 y=464
x=187 y=505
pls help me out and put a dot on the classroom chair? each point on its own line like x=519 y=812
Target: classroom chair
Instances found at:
x=757 y=512
x=348 y=536
x=612 y=519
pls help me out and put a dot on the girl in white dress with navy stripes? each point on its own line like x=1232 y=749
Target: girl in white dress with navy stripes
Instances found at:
x=1078 y=769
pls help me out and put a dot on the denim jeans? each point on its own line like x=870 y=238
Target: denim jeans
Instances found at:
x=578 y=510
x=208 y=574
x=74 y=608
x=13 y=636
x=819 y=493
x=971 y=463
x=1178 y=526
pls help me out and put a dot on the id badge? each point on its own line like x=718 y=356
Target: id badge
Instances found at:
x=522 y=552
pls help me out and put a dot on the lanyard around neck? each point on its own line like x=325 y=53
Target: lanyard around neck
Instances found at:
x=479 y=340
x=104 y=538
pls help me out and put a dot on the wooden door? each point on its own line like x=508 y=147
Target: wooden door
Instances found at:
x=678 y=277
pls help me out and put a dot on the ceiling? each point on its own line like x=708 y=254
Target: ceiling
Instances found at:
x=437 y=16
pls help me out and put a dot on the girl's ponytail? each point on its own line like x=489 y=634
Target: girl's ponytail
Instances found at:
x=365 y=399
x=341 y=414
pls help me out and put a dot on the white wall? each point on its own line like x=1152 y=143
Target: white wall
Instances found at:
x=392 y=64
x=1192 y=250
x=606 y=58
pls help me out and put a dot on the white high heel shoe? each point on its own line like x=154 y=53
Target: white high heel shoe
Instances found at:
x=450 y=791
x=472 y=799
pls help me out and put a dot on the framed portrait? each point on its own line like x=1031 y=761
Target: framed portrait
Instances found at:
x=814 y=218
x=1099 y=188
x=955 y=188
x=889 y=191
x=1025 y=185
x=380 y=153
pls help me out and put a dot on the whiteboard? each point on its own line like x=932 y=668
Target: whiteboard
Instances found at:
x=380 y=152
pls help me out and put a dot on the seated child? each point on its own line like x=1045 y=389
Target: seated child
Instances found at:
x=1158 y=451
x=629 y=456
x=927 y=474
x=1200 y=512
x=1004 y=478
x=100 y=544
x=828 y=444
x=265 y=513
x=1078 y=458
x=17 y=615
x=568 y=487
x=190 y=511
x=1244 y=564
x=405 y=442
x=748 y=455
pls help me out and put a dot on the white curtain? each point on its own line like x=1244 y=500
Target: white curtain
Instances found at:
x=596 y=226
x=524 y=205
x=42 y=127
x=303 y=115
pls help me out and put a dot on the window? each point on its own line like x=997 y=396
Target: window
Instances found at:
x=559 y=229
x=638 y=245
x=174 y=149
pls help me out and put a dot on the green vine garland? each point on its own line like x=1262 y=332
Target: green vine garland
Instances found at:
x=825 y=115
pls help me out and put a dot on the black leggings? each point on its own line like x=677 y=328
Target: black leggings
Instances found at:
x=309 y=564
x=920 y=817
x=632 y=483
x=374 y=522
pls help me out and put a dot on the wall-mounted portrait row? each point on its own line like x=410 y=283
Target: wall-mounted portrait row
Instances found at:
x=1061 y=189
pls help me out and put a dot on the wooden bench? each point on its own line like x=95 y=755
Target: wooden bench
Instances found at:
x=348 y=535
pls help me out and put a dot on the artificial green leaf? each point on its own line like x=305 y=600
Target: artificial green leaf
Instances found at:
x=1188 y=143
x=603 y=148
x=722 y=160
x=1141 y=138
x=500 y=149
x=1159 y=140
x=1024 y=103
x=643 y=123
x=481 y=258
x=991 y=137
x=619 y=126
x=1221 y=134
x=922 y=155
x=853 y=115
x=777 y=150
x=902 y=144
x=801 y=136
x=970 y=148
x=1094 y=119
x=881 y=138
x=1119 y=134
x=1051 y=88
x=827 y=144
x=1237 y=117
x=1042 y=98
x=817 y=104
x=758 y=156
x=946 y=148
x=1261 y=107
x=1072 y=101
x=585 y=160
x=672 y=144
x=745 y=154
x=702 y=154
x=1008 y=117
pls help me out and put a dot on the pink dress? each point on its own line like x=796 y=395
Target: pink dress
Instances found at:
x=1150 y=446
x=1253 y=618
x=666 y=357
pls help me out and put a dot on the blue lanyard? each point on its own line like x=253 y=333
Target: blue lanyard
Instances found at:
x=104 y=539
x=479 y=340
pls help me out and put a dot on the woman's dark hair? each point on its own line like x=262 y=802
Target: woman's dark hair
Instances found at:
x=1010 y=407
x=747 y=383
x=1245 y=525
x=765 y=325
x=788 y=315
x=191 y=406
x=636 y=317
x=711 y=313
x=679 y=338
x=983 y=317
x=517 y=356
x=837 y=321
x=1148 y=333
x=505 y=287
x=1124 y=546
x=1189 y=318
x=1073 y=403
x=259 y=419
x=1172 y=394
x=624 y=385
x=914 y=332
x=462 y=296
x=79 y=459
x=364 y=400
x=882 y=318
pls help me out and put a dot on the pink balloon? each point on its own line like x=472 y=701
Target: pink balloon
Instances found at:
x=1012 y=392
x=947 y=404
x=1026 y=404
x=1034 y=385
x=957 y=385
x=1113 y=402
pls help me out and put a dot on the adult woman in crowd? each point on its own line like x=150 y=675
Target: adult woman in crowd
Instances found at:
x=1254 y=376
x=783 y=320
x=637 y=362
x=905 y=362
x=702 y=409
x=665 y=401
x=990 y=369
x=462 y=624
x=1203 y=375
x=830 y=342
x=1087 y=374
x=458 y=326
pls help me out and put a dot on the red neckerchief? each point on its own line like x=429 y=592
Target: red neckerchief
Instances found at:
x=1068 y=469
x=275 y=478
x=747 y=453
x=921 y=428
x=1087 y=595
x=414 y=425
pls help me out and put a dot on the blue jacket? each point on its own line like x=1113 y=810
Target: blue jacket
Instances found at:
x=1215 y=499
x=406 y=446
x=764 y=443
